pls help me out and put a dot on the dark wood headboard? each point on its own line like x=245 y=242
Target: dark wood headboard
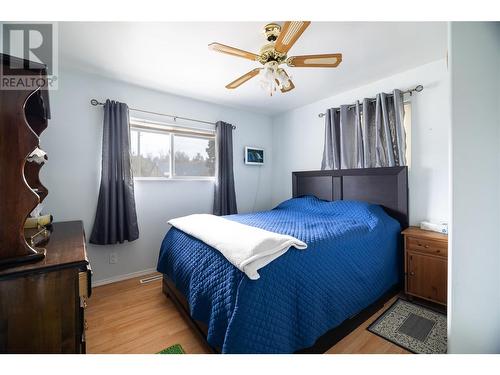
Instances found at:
x=387 y=187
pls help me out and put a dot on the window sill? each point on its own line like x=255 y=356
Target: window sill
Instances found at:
x=174 y=179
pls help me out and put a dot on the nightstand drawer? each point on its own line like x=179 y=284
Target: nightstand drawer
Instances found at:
x=427 y=246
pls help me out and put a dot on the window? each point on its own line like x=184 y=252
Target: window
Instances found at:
x=150 y=153
x=153 y=144
x=194 y=156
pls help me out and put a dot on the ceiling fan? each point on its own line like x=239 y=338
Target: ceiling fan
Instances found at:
x=274 y=54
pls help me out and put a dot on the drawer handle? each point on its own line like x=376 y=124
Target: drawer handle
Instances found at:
x=426 y=246
x=412 y=273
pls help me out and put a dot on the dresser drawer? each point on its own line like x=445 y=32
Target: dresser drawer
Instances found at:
x=427 y=246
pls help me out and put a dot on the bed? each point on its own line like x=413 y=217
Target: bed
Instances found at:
x=305 y=301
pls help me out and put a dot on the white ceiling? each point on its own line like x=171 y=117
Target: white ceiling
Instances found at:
x=174 y=57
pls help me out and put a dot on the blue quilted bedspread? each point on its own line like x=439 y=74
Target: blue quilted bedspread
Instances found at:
x=352 y=259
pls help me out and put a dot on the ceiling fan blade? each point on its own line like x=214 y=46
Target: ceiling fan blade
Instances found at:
x=331 y=60
x=222 y=48
x=245 y=77
x=290 y=32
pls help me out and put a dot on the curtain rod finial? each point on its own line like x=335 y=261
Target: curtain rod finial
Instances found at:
x=419 y=88
x=94 y=102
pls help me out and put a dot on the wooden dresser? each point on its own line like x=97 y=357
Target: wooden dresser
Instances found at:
x=426 y=264
x=42 y=304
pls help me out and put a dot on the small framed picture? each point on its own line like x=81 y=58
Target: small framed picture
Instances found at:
x=254 y=155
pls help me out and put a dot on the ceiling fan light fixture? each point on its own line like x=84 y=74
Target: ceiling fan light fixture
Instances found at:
x=273 y=78
x=283 y=79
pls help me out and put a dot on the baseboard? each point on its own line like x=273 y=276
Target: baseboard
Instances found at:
x=127 y=276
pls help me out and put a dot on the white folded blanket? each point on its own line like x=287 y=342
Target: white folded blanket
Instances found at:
x=246 y=247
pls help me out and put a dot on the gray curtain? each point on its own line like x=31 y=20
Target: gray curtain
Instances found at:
x=225 y=196
x=351 y=142
x=115 y=218
x=366 y=136
x=331 y=152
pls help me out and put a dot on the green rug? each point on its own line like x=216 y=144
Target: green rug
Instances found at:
x=174 y=349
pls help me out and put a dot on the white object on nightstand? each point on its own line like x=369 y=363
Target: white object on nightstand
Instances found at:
x=440 y=228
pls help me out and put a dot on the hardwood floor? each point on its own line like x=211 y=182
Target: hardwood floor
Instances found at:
x=129 y=317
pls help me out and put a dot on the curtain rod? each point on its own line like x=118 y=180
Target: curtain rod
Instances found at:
x=95 y=102
x=417 y=88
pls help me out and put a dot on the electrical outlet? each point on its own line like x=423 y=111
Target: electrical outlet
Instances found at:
x=113 y=257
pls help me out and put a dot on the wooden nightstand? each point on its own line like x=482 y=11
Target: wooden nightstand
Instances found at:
x=426 y=264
